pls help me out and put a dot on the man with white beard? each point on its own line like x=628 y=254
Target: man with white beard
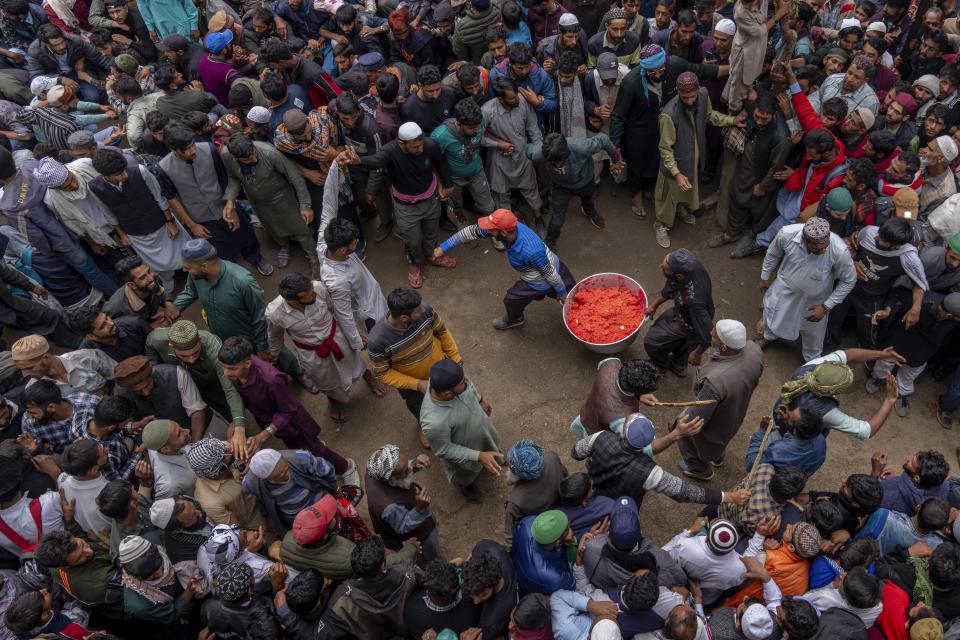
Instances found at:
x=400 y=508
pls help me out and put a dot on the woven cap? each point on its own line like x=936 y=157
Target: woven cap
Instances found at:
x=133 y=547
x=722 y=536
x=156 y=434
x=29 y=348
x=183 y=335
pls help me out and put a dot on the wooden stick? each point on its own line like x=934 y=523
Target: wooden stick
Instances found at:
x=763 y=443
x=692 y=403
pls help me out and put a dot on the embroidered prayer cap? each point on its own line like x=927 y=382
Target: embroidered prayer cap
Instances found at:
x=132 y=371
x=951 y=304
x=839 y=199
x=907 y=101
x=549 y=526
x=445 y=375
x=722 y=536
x=638 y=431
x=161 y=511
x=370 y=61
x=687 y=82
x=806 y=540
x=29 y=348
x=929 y=82
x=879 y=27
x=866 y=117
x=126 y=63
x=223 y=544
x=59 y=95
x=926 y=629
x=954 y=243
x=206 y=457
x=864 y=64
x=82 y=139
x=383 y=461
x=727 y=26
x=605 y=629
x=948 y=148
x=295 y=121
x=568 y=20
x=42 y=83
x=198 y=249
x=133 y=547
x=409 y=131
x=263 y=462
x=650 y=50
x=502 y=219
x=817 y=230
x=311 y=523
x=258 y=115
x=617 y=13
x=526 y=459
x=183 y=335
x=50 y=173
x=624 y=524
x=732 y=333
x=756 y=623
x=906 y=203
x=234 y=582
x=156 y=434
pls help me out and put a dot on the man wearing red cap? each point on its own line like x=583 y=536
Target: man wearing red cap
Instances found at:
x=896 y=118
x=541 y=271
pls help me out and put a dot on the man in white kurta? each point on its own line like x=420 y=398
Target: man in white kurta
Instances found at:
x=797 y=303
x=324 y=351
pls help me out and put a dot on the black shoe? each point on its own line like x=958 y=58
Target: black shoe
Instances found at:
x=383 y=232
x=471 y=492
x=679 y=368
x=598 y=221
x=446 y=224
x=503 y=322
x=540 y=227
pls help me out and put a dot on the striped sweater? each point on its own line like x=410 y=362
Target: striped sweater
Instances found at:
x=403 y=357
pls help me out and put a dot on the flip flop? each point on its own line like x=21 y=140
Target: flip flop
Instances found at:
x=283 y=259
x=445 y=261
x=415 y=279
x=309 y=386
x=638 y=210
x=338 y=415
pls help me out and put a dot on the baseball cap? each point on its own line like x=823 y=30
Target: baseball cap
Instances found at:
x=311 y=523
x=445 y=375
x=866 y=116
x=173 y=42
x=906 y=202
x=217 y=40
x=624 y=524
x=501 y=219
x=607 y=65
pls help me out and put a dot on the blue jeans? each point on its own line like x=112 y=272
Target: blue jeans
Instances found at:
x=87 y=90
x=101 y=135
x=82 y=262
x=950 y=401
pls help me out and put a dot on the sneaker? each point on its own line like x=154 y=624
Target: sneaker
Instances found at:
x=874 y=385
x=662 y=234
x=685 y=470
x=351 y=475
x=447 y=225
x=255 y=221
x=945 y=418
x=598 y=221
x=719 y=240
x=679 y=368
x=540 y=227
x=902 y=406
x=499 y=246
x=503 y=323
x=684 y=214
x=264 y=267
x=383 y=232
x=745 y=248
x=471 y=492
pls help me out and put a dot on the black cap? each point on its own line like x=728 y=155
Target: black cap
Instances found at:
x=11 y=475
x=445 y=375
x=173 y=42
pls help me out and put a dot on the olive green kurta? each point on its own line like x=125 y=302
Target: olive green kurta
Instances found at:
x=277 y=192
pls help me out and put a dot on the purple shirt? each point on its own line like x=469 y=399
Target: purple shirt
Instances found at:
x=267 y=395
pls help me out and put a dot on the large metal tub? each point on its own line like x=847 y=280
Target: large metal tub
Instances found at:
x=606 y=280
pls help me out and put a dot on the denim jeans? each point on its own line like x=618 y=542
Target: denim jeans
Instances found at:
x=87 y=90
x=950 y=401
x=82 y=262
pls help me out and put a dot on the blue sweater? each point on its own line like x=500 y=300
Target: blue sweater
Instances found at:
x=789 y=451
x=539 y=571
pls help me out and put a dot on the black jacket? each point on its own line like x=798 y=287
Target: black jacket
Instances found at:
x=40 y=61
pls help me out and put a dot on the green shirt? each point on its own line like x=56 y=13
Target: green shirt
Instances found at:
x=458 y=431
x=464 y=160
x=233 y=305
x=332 y=559
x=206 y=371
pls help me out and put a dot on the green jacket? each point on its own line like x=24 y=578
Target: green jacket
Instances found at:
x=88 y=582
x=165 y=612
x=206 y=371
x=144 y=528
x=468 y=42
x=332 y=559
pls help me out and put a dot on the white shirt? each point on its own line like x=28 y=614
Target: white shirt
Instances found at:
x=19 y=518
x=828 y=597
x=715 y=573
x=85 y=492
x=171 y=475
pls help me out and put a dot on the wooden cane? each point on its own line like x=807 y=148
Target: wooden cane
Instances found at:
x=692 y=403
x=763 y=443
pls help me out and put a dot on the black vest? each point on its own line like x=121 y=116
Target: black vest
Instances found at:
x=633 y=622
x=381 y=495
x=617 y=470
x=163 y=401
x=133 y=203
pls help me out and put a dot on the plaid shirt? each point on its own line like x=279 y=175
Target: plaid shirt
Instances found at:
x=319 y=143
x=760 y=506
x=120 y=461
x=60 y=433
x=865 y=215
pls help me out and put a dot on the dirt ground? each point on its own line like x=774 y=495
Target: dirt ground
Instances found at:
x=537 y=376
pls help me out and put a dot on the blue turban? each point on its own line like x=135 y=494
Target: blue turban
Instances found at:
x=652 y=56
x=526 y=460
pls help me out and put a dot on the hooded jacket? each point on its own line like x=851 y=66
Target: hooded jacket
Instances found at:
x=370 y=609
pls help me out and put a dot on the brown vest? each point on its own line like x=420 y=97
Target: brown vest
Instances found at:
x=381 y=495
x=606 y=403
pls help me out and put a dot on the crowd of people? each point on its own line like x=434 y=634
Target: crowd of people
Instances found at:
x=160 y=478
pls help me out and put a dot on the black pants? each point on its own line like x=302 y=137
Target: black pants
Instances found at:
x=561 y=201
x=863 y=308
x=521 y=294
x=666 y=342
x=413 y=398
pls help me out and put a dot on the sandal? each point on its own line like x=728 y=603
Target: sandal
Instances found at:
x=445 y=261
x=283 y=259
x=638 y=210
x=309 y=386
x=415 y=279
x=338 y=415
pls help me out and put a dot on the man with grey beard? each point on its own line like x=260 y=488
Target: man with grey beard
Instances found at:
x=399 y=508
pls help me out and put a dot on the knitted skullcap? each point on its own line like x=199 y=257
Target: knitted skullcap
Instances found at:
x=183 y=334
x=722 y=536
x=132 y=547
x=234 y=582
x=806 y=540
x=617 y=13
x=156 y=434
x=264 y=462
x=29 y=348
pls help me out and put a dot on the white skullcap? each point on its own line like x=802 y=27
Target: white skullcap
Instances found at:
x=727 y=26
x=260 y=115
x=264 y=462
x=161 y=511
x=877 y=26
x=756 y=624
x=409 y=131
x=568 y=20
x=948 y=148
x=732 y=333
x=850 y=22
x=606 y=629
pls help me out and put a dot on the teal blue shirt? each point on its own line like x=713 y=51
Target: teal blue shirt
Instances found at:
x=464 y=159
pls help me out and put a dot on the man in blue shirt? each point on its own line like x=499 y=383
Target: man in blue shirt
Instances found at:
x=541 y=272
x=802 y=443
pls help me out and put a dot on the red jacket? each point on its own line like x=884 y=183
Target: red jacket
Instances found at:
x=816 y=187
x=892 y=623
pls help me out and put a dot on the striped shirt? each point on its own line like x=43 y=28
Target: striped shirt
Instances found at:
x=55 y=125
x=403 y=357
x=528 y=254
